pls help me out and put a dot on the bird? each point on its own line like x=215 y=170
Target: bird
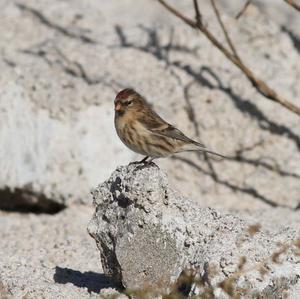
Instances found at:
x=143 y=131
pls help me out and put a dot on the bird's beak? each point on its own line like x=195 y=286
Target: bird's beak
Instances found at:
x=118 y=107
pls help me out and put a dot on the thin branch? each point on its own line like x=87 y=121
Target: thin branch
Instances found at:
x=293 y=4
x=258 y=84
x=198 y=14
x=242 y=11
x=226 y=34
x=178 y=14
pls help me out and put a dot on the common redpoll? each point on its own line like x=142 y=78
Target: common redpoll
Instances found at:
x=145 y=132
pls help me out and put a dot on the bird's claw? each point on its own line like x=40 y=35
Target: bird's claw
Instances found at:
x=145 y=164
x=136 y=163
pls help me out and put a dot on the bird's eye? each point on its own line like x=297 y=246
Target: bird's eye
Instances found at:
x=128 y=103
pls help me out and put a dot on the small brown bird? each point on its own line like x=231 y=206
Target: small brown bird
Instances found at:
x=145 y=132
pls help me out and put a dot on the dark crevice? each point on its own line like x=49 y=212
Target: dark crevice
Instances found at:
x=123 y=201
x=183 y=285
x=27 y=201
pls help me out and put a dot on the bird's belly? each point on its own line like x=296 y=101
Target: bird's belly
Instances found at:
x=134 y=146
x=131 y=139
x=143 y=142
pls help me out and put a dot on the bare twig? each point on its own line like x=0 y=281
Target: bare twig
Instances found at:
x=198 y=14
x=226 y=34
x=293 y=4
x=244 y=8
x=258 y=84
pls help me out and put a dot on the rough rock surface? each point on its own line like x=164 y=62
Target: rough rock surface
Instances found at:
x=60 y=69
x=147 y=234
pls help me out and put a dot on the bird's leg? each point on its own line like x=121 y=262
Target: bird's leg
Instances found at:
x=144 y=163
x=150 y=162
x=144 y=160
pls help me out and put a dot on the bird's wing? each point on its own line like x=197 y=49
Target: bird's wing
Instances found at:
x=171 y=132
x=154 y=123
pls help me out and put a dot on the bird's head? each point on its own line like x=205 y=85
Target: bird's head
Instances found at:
x=128 y=100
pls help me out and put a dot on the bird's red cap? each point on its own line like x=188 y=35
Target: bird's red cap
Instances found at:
x=124 y=94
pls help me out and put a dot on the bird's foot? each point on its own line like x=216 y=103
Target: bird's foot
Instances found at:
x=135 y=163
x=144 y=163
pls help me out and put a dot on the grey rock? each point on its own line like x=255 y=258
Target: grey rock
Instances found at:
x=60 y=72
x=147 y=234
x=44 y=157
x=284 y=14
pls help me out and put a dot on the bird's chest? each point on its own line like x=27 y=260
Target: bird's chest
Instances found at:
x=131 y=134
x=123 y=128
x=126 y=133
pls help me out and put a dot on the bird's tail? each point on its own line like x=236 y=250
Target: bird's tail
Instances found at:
x=195 y=146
